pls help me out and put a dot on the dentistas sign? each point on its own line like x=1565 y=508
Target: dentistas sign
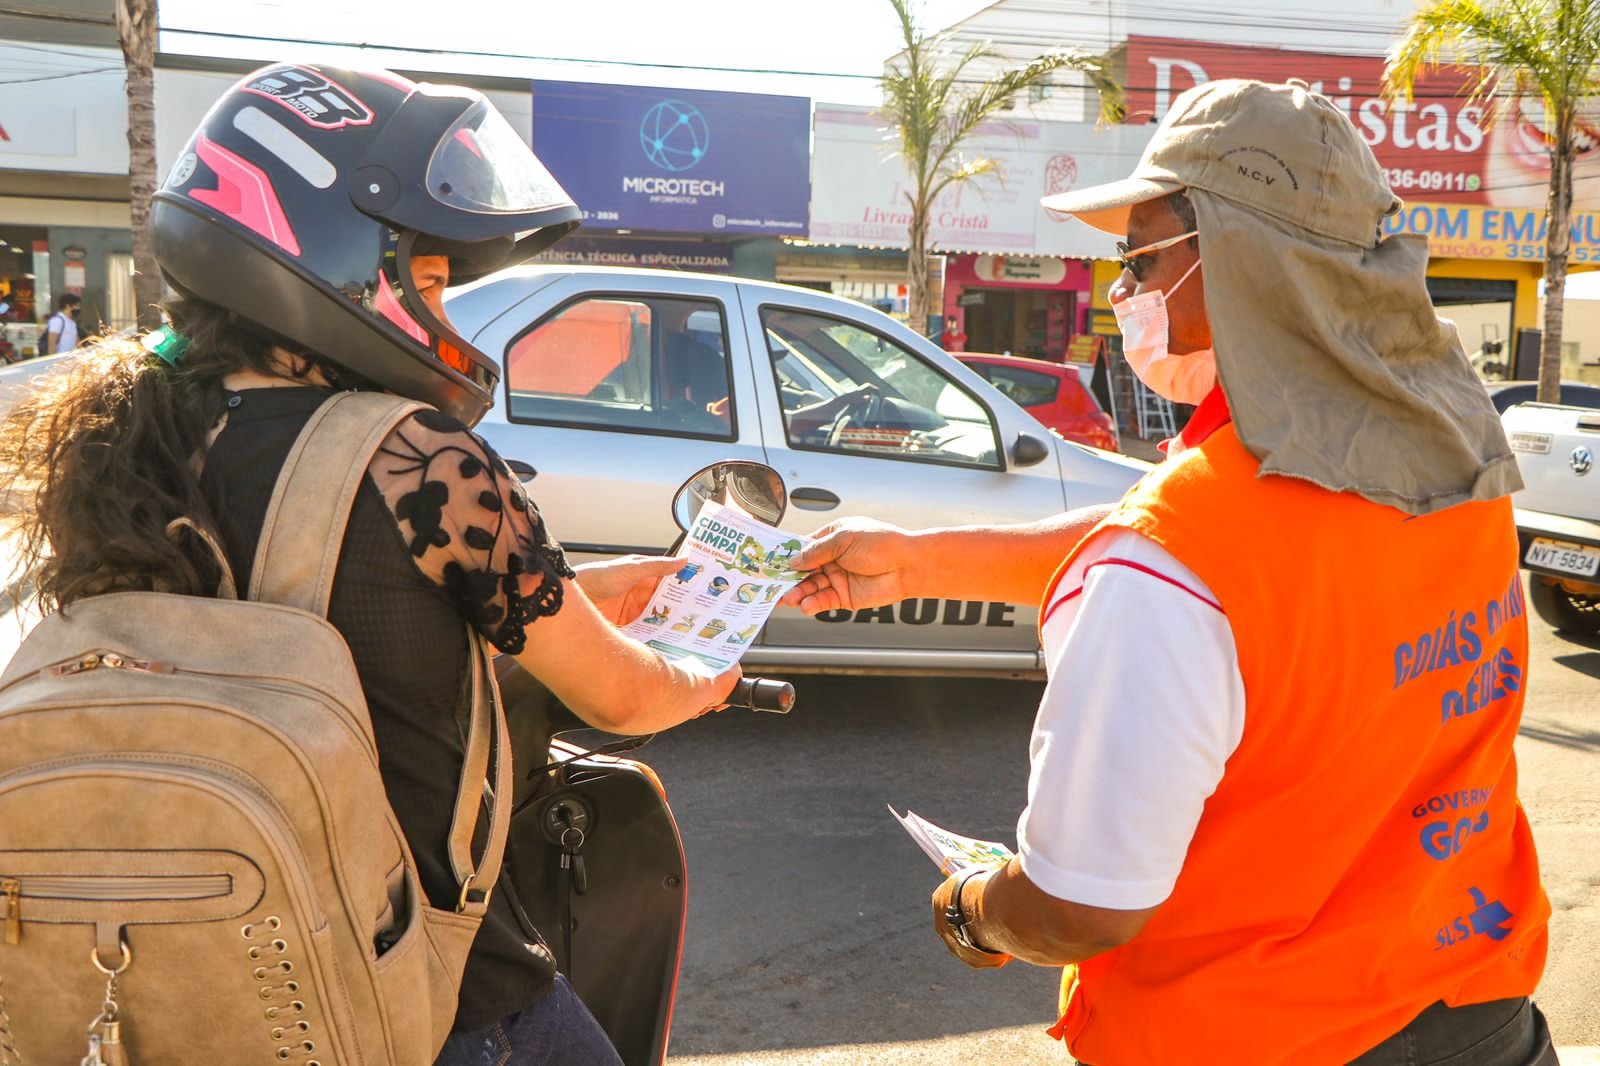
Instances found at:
x=677 y=160
x=1439 y=147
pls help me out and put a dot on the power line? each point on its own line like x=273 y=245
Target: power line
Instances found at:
x=482 y=54
x=1421 y=94
x=53 y=50
x=58 y=77
x=52 y=16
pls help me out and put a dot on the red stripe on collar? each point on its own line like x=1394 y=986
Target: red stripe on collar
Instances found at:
x=1210 y=416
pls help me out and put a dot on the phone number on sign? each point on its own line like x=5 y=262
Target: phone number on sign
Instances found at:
x=1437 y=180
x=1582 y=253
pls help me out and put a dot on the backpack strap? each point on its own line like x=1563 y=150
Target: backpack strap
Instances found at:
x=476 y=785
x=301 y=539
x=310 y=507
x=226 y=589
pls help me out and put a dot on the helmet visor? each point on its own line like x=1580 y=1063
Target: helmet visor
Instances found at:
x=481 y=165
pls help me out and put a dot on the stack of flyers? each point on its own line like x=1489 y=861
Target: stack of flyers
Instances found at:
x=951 y=851
x=736 y=570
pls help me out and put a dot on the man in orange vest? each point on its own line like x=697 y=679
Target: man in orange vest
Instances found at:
x=1272 y=812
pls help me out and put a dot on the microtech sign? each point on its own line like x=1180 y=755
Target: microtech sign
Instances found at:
x=677 y=160
x=1480 y=180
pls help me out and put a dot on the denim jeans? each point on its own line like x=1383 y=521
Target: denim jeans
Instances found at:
x=556 y=1031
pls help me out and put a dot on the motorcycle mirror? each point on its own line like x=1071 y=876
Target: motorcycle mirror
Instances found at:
x=754 y=488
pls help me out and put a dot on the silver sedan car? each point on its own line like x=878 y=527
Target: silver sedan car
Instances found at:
x=619 y=384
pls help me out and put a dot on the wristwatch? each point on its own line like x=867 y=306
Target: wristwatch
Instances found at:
x=956 y=919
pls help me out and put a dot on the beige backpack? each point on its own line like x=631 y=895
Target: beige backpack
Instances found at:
x=198 y=863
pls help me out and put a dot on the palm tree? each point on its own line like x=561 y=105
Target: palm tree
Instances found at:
x=136 y=26
x=1549 y=49
x=934 y=104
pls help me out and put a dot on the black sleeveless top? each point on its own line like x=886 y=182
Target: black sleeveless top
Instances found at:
x=441 y=531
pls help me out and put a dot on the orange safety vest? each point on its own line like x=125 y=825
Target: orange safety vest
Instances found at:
x=1365 y=854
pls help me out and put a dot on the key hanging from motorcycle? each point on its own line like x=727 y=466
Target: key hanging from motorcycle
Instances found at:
x=575 y=883
x=105 y=1032
x=572 y=839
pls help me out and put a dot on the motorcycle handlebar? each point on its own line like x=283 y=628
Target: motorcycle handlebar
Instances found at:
x=762 y=694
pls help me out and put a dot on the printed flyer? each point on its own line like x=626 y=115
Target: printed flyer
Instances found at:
x=951 y=851
x=711 y=609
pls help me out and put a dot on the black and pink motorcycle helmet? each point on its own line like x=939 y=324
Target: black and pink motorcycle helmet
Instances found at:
x=301 y=198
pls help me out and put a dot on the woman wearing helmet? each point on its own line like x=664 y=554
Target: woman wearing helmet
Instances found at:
x=309 y=229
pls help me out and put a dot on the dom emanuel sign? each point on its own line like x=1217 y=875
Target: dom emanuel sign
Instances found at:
x=1492 y=233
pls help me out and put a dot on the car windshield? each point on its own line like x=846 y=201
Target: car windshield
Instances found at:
x=869 y=393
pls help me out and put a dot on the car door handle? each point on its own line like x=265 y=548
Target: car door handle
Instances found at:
x=814 y=499
x=524 y=471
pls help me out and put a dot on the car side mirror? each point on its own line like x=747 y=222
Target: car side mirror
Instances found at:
x=1028 y=450
x=755 y=488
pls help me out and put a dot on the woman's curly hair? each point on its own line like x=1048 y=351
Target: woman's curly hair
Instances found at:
x=98 y=459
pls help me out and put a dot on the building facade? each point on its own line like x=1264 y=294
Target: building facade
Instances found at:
x=1016 y=278
x=1473 y=184
x=63 y=188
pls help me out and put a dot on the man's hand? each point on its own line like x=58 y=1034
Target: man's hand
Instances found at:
x=970 y=893
x=854 y=563
x=622 y=587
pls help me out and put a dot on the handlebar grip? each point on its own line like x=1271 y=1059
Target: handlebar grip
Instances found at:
x=762 y=694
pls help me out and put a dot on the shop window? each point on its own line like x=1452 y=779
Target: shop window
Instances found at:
x=636 y=364
x=847 y=389
x=119 y=292
x=22 y=304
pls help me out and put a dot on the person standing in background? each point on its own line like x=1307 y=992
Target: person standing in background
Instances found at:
x=61 y=328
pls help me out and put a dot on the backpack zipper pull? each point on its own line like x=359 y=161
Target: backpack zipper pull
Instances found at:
x=108 y=660
x=11 y=892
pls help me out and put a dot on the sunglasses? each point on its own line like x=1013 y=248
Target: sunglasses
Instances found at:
x=1129 y=257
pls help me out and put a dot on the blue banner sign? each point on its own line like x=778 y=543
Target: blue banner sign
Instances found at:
x=707 y=257
x=677 y=160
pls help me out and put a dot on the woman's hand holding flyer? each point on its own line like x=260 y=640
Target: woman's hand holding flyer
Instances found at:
x=710 y=609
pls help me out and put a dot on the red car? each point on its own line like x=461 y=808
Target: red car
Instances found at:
x=1051 y=392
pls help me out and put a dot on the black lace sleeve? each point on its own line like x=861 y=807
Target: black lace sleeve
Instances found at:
x=470 y=527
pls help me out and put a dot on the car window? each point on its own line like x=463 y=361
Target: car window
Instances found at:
x=1029 y=388
x=643 y=364
x=1572 y=395
x=845 y=388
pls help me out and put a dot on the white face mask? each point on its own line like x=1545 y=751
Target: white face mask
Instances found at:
x=1181 y=378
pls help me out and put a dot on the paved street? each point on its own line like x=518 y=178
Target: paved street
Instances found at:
x=808 y=933
x=809 y=939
